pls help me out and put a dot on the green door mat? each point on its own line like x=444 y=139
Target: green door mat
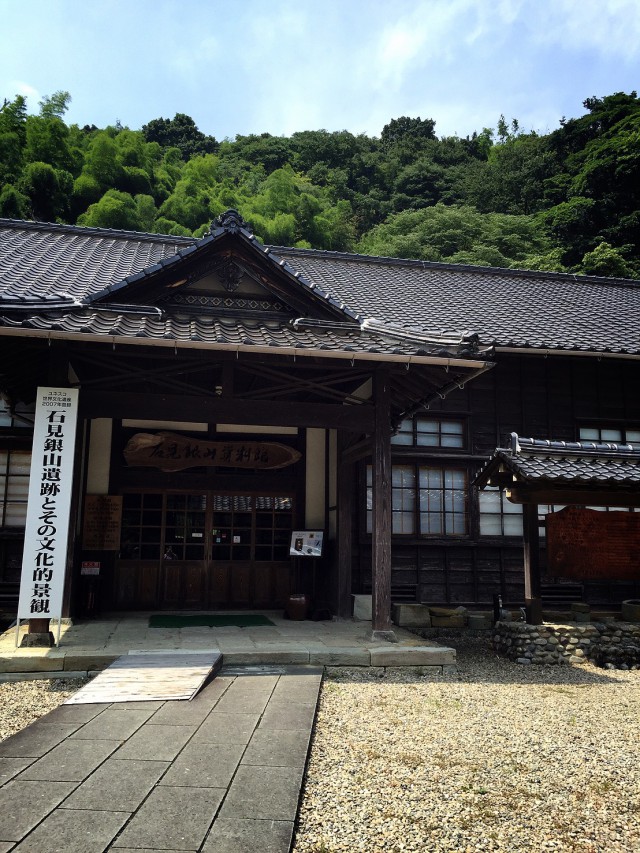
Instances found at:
x=236 y=620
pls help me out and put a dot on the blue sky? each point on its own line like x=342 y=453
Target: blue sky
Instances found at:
x=279 y=66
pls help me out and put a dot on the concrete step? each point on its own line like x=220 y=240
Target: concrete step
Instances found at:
x=383 y=654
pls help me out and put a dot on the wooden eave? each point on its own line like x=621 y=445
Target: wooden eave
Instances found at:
x=523 y=490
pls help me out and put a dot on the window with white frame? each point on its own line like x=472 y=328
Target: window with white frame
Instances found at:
x=426 y=500
x=14 y=487
x=617 y=435
x=424 y=431
x=498 y=516
x=403 y=499
x=14 y=491
x=443 y=501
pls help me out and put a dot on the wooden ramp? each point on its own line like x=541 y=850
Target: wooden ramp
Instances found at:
x=148 y=676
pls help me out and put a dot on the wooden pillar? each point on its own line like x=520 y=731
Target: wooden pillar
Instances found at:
x=531 y=537
x=345 y=539
x=381 y=515
x=345 y=475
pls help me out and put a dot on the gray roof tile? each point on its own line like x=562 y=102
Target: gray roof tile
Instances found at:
x=565 y=463
x=504 y=307
x=227 y=331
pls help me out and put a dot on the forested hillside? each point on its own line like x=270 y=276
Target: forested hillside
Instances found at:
x=566 y=201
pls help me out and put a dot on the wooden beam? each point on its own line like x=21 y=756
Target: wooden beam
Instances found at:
x=345 y=536
x=174 y=407
x=160 y=373
x=531 y=538
x=356 y=452
x=381 y=531
x=575 y=497
x=284 y=381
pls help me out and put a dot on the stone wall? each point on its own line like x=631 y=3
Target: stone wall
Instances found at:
x=610 y=644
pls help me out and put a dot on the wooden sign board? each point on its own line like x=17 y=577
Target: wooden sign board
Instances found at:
x=171 y=452
x=587 y=544
x=102 y=519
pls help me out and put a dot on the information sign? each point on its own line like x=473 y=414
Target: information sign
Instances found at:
x=306 y=543
x=102 y=519
x=50 y=485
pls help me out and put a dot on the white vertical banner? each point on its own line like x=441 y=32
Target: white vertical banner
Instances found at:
x=50 y=485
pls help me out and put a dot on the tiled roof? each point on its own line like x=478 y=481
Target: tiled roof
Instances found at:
x=566 y=463
x=504 y=307
x=132 y=322
x=39 y=259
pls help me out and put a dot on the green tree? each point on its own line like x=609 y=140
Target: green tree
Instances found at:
x=13 y=137
x=47 y=136
x=146 y=212
x=102 y=162
x=114 y=210
x=404 y=128
x=48 y=190
x=13 y=203
x=86 y=191
x=419 y=184
x=457 y=234
x=168 y=226
x=572 y=224
x=54 y=106
x=182 y=133
x=604 y=260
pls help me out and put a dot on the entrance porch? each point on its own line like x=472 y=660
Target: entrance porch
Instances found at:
x=91 y=645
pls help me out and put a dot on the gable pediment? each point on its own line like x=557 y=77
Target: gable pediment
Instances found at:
x=226 y=270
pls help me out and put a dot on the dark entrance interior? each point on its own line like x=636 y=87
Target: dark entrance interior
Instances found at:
x=198 y=550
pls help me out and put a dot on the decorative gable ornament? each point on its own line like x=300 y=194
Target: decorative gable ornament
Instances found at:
x=227 y=271
x=231 y=221
x=230 y=275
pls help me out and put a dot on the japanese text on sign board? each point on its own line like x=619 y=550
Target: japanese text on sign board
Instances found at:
x=172 y=452
x=47 y=526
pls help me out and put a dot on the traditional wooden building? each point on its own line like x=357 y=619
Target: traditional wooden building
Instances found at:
x=232 y=393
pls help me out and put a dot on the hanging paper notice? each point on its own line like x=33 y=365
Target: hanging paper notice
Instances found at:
x=306 y=543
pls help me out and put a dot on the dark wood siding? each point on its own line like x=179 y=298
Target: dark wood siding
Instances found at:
x=538 y=396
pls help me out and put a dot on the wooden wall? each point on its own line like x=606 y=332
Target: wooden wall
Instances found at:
x=536 y=397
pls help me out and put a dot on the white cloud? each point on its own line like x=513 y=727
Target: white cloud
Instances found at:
x=191 y=60
x=609 y=27
x=20 y=87
x=411 y=41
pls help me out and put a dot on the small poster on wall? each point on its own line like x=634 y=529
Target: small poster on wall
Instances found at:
x=306 y=543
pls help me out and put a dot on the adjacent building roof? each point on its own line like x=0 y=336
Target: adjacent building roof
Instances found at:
x=63 y=276
x=581 y=464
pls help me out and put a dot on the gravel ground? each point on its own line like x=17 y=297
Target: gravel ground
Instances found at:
x=499 y=757
x=22 y=702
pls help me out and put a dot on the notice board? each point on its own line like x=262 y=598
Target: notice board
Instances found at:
x=102 y=519
x=589 y=544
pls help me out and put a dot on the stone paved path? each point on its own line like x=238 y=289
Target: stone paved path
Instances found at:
x=219 y=774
